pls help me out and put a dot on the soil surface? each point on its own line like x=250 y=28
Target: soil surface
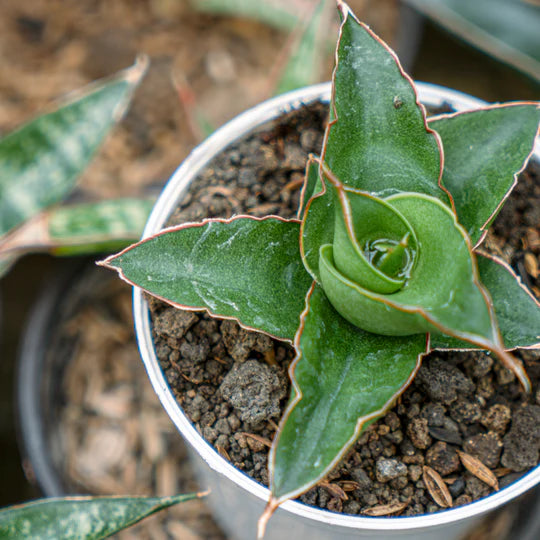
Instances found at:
x=462 y=429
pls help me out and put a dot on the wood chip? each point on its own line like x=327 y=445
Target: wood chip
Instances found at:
x=166 y=478
x=178 y=530
x=502 y=471
x=223 y=453
x=436 y=487
x=531 y=265
x=386 y=509
x=335 y=490
x=293 y=184
x=478 y=469
x=270 y=357
x=151 y=438
x=115 y=404
x=258 y=438
x=349 y=485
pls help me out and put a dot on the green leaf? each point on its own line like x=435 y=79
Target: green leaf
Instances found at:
x=78 y=518
x=366 y=229
x=506 y=29
x=278 y=14
x=311 y=182
x=317 y=210
x=97 y=227
x=243 y=268
x=82 y=228
x=344 y=378
x=379 y=142
x=442 y=291
x=40 y=162
x=305 y=57
x=517 y=311
x=483 y=152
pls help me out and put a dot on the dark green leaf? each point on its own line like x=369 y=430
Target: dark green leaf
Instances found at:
x=506 y=29
x=244 y=268
x=40 y=162
x=310 y=182
x=362 y=224
x=442 y=291
x=344 y=379
x=317 y=226
x=380 y=142
x=517 y=311
x=483 y=151
x=80 y=518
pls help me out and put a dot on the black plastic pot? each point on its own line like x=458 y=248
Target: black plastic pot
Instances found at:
x=39 y=371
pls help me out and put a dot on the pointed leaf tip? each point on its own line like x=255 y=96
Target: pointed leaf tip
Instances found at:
x=196 y=266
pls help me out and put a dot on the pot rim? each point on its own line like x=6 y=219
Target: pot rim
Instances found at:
x=430 y=94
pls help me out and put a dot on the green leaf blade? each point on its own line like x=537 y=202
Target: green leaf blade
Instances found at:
x=517 y=311
x=483 y=152
x=97 y=227
x=346 y=378
x=380 y=142
x=40 y=162
x=442 y=291
x=80 y=518
x=245 y=268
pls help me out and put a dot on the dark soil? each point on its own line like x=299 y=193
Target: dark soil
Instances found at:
x=233 y=383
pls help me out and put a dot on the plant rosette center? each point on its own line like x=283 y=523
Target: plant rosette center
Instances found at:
x=380 y=267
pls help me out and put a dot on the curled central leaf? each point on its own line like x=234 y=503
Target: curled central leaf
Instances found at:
x=374 y=244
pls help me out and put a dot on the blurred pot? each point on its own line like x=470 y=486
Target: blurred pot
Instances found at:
x=236 y=499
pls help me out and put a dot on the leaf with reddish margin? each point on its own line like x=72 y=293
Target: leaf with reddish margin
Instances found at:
x=379 y=141
x=244 y=268
x=309 y=188
x=99 y=227
x=517 y=311
x=484 y=150
x=343 y=379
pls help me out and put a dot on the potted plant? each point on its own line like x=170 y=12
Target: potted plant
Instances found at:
x=350 y=283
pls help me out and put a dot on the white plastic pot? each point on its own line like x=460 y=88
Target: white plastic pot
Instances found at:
x=236 y=499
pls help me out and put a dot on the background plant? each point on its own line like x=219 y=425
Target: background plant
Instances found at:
x=81 y=518
x=40 y=164
x=505 y=29
x=382 y=227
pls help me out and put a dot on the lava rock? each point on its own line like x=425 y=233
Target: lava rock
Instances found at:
x=255 y=390
x=442 y=381
x=497 y=417
x=174 y=323
x=241 y=342
x=389 y=469
x=522 y=442
x=442 y=458
x=418 y=432
x=486 y=447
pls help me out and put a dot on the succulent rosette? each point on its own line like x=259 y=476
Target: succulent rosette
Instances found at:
x=381 y=266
